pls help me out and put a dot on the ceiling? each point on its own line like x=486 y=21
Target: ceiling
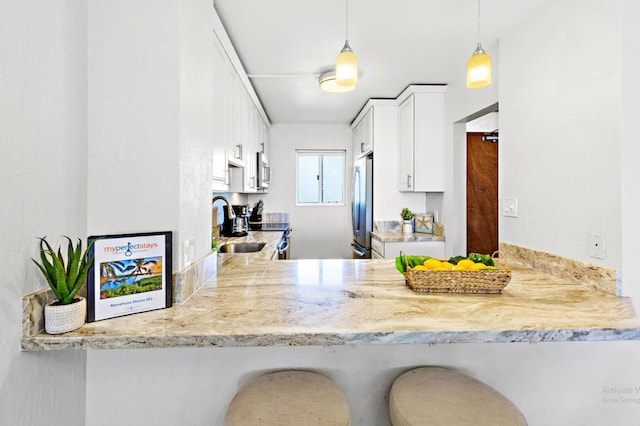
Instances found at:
x=285 y=44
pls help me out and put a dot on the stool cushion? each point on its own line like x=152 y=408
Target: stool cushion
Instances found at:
x=290 y=397
x=441 y=396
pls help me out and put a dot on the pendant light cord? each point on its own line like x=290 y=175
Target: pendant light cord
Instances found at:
x=347 y=20
x=478 y=21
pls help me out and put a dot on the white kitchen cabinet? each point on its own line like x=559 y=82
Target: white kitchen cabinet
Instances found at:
x=392 y=249
x=363 y=135
x=220 y=118
x=250 y=147
x=421 y=166
x=241 y=130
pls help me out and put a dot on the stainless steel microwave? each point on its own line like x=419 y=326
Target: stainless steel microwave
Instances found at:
x=263 y=172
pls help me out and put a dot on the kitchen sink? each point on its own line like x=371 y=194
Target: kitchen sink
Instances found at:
x=248 y=247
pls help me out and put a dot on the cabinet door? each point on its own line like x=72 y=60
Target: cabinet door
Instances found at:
x=362 y=136
x=405 y=144
x=366 y=135
x=355 y=140
x=220 y=117
x=428 y=146
x=237 y=135
x=249 y=147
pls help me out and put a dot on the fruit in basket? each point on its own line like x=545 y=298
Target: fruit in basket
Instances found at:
x=475 y=262
x=432 y=264
x=445 y=266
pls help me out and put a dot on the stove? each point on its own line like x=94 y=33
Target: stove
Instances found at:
x=269 y=226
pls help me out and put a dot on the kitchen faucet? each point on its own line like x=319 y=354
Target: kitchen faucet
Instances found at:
x=230 y=214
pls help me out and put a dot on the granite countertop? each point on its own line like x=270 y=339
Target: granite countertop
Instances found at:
x=336 y=302
x=394 y=237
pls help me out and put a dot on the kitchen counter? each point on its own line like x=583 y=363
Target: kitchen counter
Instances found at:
x=253 y=302
x=393 y=237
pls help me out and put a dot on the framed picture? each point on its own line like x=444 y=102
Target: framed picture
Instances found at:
x=131 y=273
x=424 y=223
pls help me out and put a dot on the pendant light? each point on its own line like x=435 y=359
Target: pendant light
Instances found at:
x=347 y=62
x=479 y=65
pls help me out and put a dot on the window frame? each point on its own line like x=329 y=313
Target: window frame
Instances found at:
x=321 y=153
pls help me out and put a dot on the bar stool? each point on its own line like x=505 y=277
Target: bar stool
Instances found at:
x=442 y=396
x=289 y=397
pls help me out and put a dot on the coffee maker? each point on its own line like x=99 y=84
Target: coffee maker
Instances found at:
x=238 y=225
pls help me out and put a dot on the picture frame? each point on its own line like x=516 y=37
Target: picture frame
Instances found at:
x=131 y=273
x=423 y=223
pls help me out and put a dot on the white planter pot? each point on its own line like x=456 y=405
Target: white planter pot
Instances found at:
x=63 y=318
x=407 y=226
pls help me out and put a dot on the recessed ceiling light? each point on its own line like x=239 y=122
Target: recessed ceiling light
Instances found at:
x=328 y=83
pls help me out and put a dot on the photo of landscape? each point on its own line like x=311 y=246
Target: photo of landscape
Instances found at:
x=131 y=276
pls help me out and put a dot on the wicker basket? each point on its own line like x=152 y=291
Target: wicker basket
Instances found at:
x=476 y=282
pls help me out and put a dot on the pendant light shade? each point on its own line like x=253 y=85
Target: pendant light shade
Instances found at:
x=479 y=69
x=479 y=65
x=347 y=67
x=347 y=61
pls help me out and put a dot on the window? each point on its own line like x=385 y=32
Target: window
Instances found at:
x=320 y=177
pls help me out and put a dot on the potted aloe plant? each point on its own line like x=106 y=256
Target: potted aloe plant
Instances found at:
x=65 y=278
x=407 y=218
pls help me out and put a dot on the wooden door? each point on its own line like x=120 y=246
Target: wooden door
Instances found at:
x=482 y=194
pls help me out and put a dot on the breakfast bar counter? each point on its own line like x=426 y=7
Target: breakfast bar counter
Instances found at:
x=355 y=302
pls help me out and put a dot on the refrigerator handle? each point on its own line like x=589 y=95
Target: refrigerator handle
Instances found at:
x=357 y=250
x=355 y=202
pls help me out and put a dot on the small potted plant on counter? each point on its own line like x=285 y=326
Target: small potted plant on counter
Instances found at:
x=65 y=278
x=407 y=217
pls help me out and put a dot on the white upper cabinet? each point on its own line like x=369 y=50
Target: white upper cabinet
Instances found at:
x=421 y=141
x=363 y=135
x=220 y=118
x=241 y=125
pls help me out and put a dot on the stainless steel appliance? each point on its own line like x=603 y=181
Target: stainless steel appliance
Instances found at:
x=362 y=207
x=264 y=171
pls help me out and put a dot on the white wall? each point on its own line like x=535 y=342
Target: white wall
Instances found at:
x=134 y=101
x=630 y=149
x=43 y=82
x=460 y=103
x=560 y=129
x=196 y=129
x=552 y=383
x=319 y=232
x=150 y=100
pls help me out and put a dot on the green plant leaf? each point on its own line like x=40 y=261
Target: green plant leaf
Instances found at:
x=61 y=279
x=83 y=269
x=45 y=261
x=73 y=259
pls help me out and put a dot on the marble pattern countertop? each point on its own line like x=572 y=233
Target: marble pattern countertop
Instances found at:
x=393 y=237
x=336 y=302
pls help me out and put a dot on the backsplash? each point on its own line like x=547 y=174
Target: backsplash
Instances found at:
x=595 y=276
x=396 y=226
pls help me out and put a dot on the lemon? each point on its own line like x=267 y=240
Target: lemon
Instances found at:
x=446 y=266
x=465 y=264
x=420 y=268
x=478 y=266
x=432 y=264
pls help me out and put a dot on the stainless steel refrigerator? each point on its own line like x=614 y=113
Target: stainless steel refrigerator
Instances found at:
x=362 y=207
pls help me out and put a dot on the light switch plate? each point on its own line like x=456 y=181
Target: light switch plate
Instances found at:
x=510 y=206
